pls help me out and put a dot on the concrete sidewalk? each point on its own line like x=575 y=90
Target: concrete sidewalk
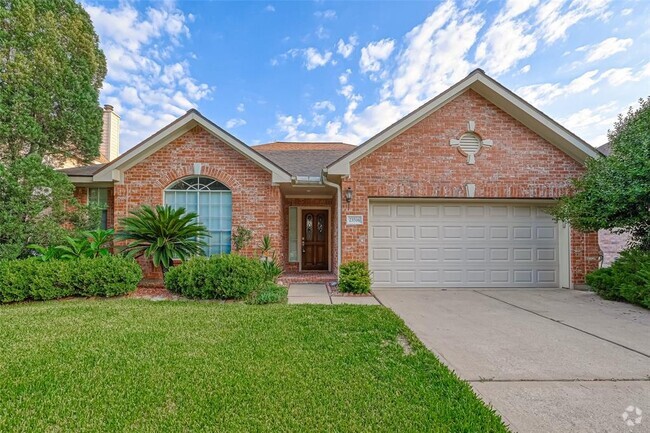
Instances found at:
x=549 y=360
x=318 y=294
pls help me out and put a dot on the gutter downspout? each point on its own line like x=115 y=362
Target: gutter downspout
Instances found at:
x=338 y=217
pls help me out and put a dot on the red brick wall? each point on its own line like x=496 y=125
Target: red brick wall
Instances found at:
x=421 y=163
x=585 y=255
x=81 y=194
x=611 y=245
x=256 y=203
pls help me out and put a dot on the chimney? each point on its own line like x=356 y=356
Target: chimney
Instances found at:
x=110 y=146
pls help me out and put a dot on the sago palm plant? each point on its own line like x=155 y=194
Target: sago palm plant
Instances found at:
x=162 y=234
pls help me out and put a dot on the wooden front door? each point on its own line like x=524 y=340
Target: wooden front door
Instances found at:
x=315 y=245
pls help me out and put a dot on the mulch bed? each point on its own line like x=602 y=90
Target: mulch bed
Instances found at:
x=154 y=293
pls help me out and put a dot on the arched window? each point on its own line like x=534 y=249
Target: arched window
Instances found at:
x=212 y=201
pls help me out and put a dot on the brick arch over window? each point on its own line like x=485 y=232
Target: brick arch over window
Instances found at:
x=188 y=170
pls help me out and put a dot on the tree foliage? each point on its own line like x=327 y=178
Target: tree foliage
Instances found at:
x=614 y=192
x=37 y=206
x=51 y=71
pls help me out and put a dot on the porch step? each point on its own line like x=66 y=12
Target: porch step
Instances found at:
x=307 y=277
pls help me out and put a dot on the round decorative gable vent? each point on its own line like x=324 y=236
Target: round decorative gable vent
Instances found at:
x=470 y=143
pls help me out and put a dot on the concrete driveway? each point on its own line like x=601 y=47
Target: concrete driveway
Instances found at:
x=548 y=360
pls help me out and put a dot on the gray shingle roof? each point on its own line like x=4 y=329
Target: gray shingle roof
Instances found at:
x=85 y=170
x=303 y=159
x=299 y=159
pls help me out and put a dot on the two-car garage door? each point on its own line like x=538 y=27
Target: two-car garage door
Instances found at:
x=447 y=244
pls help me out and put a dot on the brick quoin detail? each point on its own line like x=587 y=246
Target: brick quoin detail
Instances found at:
x=421 y=163
x=256 y=203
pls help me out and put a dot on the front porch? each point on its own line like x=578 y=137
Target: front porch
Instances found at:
x=307 y=277
x=310 y=228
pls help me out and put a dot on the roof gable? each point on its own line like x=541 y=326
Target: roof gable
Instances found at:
x=494 y=92
x=113 y=171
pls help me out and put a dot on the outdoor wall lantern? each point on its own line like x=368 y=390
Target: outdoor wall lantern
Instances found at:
x=348 y=196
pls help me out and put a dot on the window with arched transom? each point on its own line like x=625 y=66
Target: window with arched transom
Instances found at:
x=212 y=201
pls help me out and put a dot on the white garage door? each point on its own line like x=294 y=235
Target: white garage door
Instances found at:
x=462 y=245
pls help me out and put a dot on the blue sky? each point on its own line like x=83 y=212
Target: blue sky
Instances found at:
x=343 y=71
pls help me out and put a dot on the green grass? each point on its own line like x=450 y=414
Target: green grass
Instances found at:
x=141 y=366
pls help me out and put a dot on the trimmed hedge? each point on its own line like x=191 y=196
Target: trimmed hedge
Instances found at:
x=226 y=276
x=32 y=279
x=354 y=277
x=627 y=279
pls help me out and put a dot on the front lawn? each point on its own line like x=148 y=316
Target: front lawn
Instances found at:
x=134 y=366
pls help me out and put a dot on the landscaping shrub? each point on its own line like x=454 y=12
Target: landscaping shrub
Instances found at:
x=191 y=278
x=272 y=270
x=270 y=293
x=226 y=276
x=106 y=276
x=42 y=280
x=628 y=279
x=354 y=277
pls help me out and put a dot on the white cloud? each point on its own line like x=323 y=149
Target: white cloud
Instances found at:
x=590 y=123
x=543 y=94
x=555 y=17
x=512 y=39
x=619 y=76
x=625 y=12
x=443 y=49
x=346 y=49
x=234 y=123
x=323 y=105
x=328 y=14
x=126 y=27
x=312 y=56
x=345 y=77
x=269 y=8
x=321 y=32
x=241 y=107
x=424 y=66
x=149 y=86
x=315 y=59
x=605 y=49
x=375 y=53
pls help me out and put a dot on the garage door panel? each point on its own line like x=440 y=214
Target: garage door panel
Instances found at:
x=405 y=254
x=405 y=232
x=381 y=254
x=546 y=232
x=477 y=245
x=429 y=232
x=429 y=254
x=451 y=211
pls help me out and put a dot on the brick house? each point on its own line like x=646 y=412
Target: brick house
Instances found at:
x=452 y=195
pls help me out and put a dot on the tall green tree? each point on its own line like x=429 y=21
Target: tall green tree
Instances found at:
x=51 y=71
x=614 y=192
x=37 y=206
